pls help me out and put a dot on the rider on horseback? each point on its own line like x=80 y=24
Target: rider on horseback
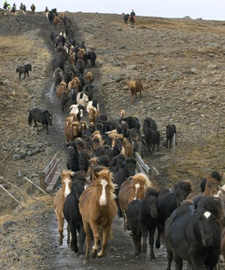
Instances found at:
x=132 y=17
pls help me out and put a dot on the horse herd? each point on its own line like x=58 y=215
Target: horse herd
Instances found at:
x=101 y=179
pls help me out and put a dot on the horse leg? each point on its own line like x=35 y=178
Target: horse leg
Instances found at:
x=95 y=230
x=88 y=240
x=20 y=75
x=35 y=125
x=105 y=236
x=74 y=246
x=68 y=234
x=81 y=241
x=179 y=264
x=145 y=236
x=60 y=229
x=24 y=75
x=135 y=241
x=151 y=243
x=46 y=127
x=159 y=229
x=169 y=259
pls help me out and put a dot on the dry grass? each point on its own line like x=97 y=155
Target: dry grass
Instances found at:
x=196 y=162
x=45 y=201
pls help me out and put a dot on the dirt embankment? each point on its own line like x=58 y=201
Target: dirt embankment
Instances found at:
x=181 y=65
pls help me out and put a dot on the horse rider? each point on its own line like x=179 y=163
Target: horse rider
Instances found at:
x=132 y=13
x=132 y=18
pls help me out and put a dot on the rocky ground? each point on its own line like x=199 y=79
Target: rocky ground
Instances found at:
x=181 y=65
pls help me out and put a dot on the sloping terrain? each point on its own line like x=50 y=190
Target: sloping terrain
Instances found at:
x=181 y=64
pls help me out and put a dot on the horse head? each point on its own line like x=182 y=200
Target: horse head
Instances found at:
x=208 y=213
x=182 y=190
x=66 y=182
x=151 y=200
x=48 y=117
x=212 y=186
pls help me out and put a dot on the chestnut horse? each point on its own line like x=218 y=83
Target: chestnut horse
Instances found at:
x=60 y=199
x=132 y=189
x=98 y=209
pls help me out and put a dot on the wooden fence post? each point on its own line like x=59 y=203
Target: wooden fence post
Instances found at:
x=218 y=127
x=42 y=180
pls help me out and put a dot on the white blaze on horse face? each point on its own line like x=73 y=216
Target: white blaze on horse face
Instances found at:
x=136 y=190
x=81 y=113
x=207 y=214
x=67 y=188
x=103 y=199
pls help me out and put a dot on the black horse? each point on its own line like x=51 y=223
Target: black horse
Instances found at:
x=193 y=232
x=25 y=70
x=168 y=201
x=126 y=18
x=72 y=213
x=40 y=116
x=142 y=216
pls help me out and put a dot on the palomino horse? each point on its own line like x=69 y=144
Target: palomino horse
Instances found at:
x=60 y=199
x=132 y=189
x=98 y=209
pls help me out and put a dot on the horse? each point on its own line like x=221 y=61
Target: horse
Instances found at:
x=126 y=18
x=98 y=208
x=41 y=116
x=59 y=201
x=132 y=189
x=142 y=216
x=24 y=69
x=127 y=169
x=171 y=131
x=72 y=214
x=168 y=201
x=193 y=233
x=32 y=8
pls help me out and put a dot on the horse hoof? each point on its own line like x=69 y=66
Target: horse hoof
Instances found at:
x=100 y=254
x=76 y=249
x=93 y=254
x=157 y=244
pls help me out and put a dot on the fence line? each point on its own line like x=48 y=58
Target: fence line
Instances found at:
x=11 y=195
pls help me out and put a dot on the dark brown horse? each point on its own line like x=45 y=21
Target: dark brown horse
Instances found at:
x=98 y=209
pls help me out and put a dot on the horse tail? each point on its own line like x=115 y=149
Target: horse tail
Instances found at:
x=30 y=118
x=17 y=70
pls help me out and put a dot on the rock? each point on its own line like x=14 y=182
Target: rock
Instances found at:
x=8 y=224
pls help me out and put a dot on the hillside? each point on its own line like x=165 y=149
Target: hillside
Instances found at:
x=181 y=64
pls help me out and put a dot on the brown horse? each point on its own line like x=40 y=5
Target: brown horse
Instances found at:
x=98 y=209
x=132 y=189
x=60 y=199
x=212 y=186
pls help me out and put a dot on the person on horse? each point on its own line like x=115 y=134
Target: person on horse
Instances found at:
x=132 y=17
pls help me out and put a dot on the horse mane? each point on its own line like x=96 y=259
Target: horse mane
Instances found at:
x=216 y=175
x=80 y=176
x=142 y=178
x=185 y=185
x=151 y=191
x=211 y=204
